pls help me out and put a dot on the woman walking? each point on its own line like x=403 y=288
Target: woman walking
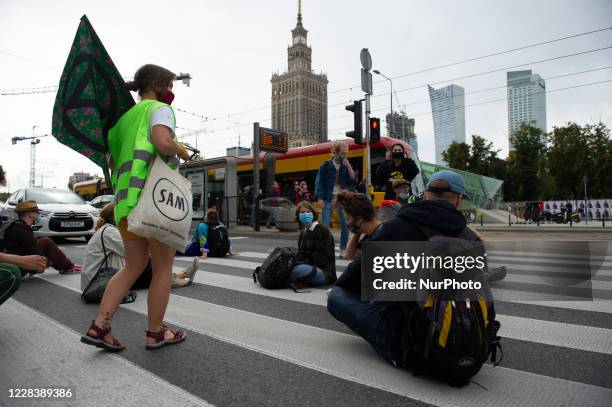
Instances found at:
x=144 y=131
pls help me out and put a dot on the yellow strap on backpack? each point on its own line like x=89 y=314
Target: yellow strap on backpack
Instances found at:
x=446 y=323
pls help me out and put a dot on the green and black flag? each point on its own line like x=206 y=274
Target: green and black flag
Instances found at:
x=91 y=98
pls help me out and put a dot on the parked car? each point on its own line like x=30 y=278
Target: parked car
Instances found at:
x=63 y=213
x=101 y=201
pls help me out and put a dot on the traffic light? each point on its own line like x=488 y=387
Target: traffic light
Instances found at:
x=374 y=130
x=357 y=133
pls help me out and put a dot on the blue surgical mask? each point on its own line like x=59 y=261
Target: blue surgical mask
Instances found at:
x=306 y=218
x=404 y=195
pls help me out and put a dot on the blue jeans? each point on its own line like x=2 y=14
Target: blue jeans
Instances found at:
x=303 y=269
x=370 y=320
x=326 y=220
x=272 y=217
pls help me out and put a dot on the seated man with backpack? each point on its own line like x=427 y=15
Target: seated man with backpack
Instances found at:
x=403 y=332
x=211 y=238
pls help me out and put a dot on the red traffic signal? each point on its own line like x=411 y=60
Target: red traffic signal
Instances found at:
x=374 y=130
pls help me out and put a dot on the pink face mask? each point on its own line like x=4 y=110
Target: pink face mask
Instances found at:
x=166 y=98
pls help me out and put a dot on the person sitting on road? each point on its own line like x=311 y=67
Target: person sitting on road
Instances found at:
x=11 y=267
x=115 y=255
x=19 y=238
x=382 y=323
x=361 y=218
x=211 y=238
x=402 y=190
x=317 y=258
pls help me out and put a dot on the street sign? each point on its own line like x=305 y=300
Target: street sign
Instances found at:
x=366 y=82
x=273 y=140
x=366 y=59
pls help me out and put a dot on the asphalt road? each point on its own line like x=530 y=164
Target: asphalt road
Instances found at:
x=249 y=346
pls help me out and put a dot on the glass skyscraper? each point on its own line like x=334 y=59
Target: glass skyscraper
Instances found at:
x=526 y=102
x=448 y=110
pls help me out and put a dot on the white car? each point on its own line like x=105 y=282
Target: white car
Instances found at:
x=63 y=213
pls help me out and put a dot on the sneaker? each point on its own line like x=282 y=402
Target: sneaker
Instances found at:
x=179 y=282
x=497 y=274
x=342 y=253
x=75 y=269
x=192 y=270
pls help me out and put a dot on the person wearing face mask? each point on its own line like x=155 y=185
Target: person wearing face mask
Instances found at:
x=361 y=218
x=143 y=132
x=335 y=175
x=397 y=165
x=401 y=189
x=316 y=261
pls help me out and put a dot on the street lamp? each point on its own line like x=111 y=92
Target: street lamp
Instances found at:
x=391 y=94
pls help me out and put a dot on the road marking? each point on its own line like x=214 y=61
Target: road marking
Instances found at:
x=351 y=358
x=63 y=361
x=585 y=262
x=239 y=237
x=528 y=255
x=592 y=339
x=259 y=255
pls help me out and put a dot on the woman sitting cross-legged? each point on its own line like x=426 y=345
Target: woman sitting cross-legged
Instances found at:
x=316 y=260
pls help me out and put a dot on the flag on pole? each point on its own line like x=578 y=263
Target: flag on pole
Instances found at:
x=91 y=98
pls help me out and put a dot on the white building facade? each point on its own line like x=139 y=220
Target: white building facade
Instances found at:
x=526 y=102
x=448 y=110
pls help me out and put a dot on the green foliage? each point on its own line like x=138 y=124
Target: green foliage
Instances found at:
x=457 y=155
x=534 y=171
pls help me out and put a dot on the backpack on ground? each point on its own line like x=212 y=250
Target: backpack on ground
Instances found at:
x=446 y=336
x=275 y=272
x=218 y=240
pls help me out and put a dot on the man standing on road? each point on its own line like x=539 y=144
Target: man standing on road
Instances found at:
x=335 y=175
x=20 y=240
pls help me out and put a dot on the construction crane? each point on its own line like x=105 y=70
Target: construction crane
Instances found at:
x=34 y=141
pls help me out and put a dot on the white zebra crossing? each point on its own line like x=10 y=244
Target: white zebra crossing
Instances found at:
x=344 y=356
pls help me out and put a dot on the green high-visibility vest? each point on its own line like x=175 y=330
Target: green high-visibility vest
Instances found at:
x=132 y=151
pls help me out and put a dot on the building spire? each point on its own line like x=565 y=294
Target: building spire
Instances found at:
x=299 y=10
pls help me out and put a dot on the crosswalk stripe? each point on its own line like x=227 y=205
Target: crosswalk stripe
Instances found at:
x=557 y=282
x=75 y=366
x=551 y=333
x=552 y=268
x=258 y=255
x=585 y=263
x=346 y=356
x=528 y=255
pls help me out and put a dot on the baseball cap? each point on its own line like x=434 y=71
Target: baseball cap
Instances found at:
x=454 y=181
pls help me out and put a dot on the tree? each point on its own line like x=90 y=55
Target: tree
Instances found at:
x=2 y=176
x=481 y=156
x=599 y=160
x=526 y=164
x=568 y=159
x=457 y=156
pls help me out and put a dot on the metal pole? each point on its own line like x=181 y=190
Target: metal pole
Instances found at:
x=256 y=174
x=368 y=162
x=392 y=118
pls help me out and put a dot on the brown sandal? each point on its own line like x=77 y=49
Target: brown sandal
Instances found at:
x=160 y=341
x=98 y=340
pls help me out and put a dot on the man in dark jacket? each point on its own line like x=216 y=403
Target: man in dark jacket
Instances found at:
x=380 y=323
x=20 y=240
x=397 y=165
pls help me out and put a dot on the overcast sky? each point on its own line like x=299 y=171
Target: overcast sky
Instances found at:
x=232 y=47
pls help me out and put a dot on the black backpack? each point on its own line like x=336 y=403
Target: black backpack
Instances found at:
x=447 y=338
x=275 y=272
x=218 y=240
